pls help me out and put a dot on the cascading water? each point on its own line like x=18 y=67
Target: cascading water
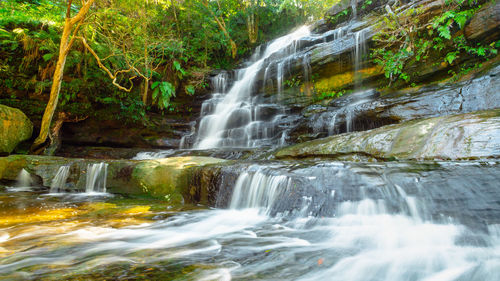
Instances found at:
x=24 y=179
x=359 y=53
x=96 y=177
x=232 y=119
x=257 y=189
x=59 y=181
x=355 y=221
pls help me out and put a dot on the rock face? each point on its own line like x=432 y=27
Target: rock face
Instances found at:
x=368 y=109
x=162 y=178
x=485 y=23
x=15 y=127
x=465 y=136
x=163 y=133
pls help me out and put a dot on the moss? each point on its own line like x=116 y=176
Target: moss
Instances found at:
x=334 y=82
x=11 y=166
x=464 y=136
x=15 y=127
x=168 y=178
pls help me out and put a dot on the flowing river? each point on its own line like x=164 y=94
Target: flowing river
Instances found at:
x=316 y=220
x=301 y=221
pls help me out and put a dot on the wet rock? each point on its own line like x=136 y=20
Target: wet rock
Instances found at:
x=15 y=127
x=368 y=110
x=465 y=136
x=485 y=23
x=319 y=188
x=166 y=178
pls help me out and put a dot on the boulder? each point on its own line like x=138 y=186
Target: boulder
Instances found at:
x=452 y=137
x=15 y=127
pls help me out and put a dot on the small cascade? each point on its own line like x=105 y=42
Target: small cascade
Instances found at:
x=283 y=138
x=59 y=181
x=24 y=179
x=354 y=4
x=267 y=79
x=258 y=189
x=279 y=76
x=331 y=128
x=339 y=33
x=359 y=53
x=306 y=66
x=154 y=155
x=96 y=177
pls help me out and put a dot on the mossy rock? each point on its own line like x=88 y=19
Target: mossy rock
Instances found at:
x=454 y=137
x=168 y=177
x=15 y=127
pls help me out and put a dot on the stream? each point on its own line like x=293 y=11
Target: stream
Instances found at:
x=273 y=220
x=342 y=221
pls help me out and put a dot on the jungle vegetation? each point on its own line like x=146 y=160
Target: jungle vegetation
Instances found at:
x=135 y=55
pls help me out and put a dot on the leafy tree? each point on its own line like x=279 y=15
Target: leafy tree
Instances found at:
x=68 y=37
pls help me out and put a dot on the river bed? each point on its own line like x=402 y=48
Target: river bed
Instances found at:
x=109 y=237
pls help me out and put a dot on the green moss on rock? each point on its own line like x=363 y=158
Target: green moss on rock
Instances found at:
x=162 y=178
x=464 y=136
x=15 y=127
x=168 y=177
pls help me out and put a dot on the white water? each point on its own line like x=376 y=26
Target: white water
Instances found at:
x=331 y=128
x=367 y=239
x=257 y=190
x=59 y=181
x=231 y=120
x=24 y=182
x=96 y=177
x=364 y=241
x=154 y=155
x=24 y=179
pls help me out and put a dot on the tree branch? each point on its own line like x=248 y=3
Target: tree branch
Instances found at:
x=111 y=75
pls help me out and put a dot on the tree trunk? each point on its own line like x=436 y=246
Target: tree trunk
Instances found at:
x=222 y=26
x=64 y=48
x=252 y=28
x=54 y=91
x=145 y=91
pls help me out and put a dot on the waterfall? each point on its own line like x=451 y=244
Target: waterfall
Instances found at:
x=59 y=181
x=96 y=177
x=354 y=4
x=227 y=119
x=359 y=53
x=24 y=179
x=331 y=128
x=258 y=189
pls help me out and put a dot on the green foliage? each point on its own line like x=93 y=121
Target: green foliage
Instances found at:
x=366 y=4
x=166 y=42
x=340 y=16
x=190 y=90
x=162 y=93
x=406 y=41
x=330 y=95
x=293 y=82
